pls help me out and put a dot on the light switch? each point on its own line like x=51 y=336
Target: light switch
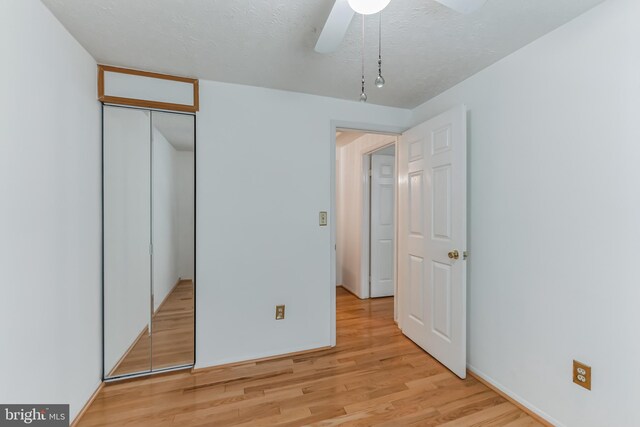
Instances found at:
x=323 y=218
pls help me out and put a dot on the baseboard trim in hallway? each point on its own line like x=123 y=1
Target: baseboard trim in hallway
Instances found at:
x=343 y=287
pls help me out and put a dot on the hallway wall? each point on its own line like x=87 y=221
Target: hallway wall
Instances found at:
x=352 y=263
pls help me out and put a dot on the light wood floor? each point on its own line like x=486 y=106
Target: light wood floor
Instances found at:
x=172 y=339
x=374 y=376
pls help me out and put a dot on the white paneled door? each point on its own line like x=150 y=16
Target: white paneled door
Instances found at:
x=382 y=224
x=433 y=237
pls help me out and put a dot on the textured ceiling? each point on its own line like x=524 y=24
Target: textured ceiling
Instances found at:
x=427 y=48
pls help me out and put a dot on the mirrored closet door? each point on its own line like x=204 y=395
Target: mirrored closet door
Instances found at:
x=149 y=229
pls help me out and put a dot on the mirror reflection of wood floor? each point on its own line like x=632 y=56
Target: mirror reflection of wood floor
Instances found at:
x=374 y=376
x=172 y=339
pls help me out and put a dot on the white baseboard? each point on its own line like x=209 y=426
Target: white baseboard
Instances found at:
x=514 y=397
x=220 y=363
x=86 y=405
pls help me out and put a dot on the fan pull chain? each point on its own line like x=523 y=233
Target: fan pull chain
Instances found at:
x=363 y=95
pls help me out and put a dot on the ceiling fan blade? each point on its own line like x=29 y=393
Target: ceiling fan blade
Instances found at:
x=463 y=6
x=335 y=28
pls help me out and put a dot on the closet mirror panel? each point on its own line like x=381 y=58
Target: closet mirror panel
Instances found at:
x=173 y=239
x=149 y=229
x=127 y=235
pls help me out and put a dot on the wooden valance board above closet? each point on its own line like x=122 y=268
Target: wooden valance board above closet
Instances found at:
x=145 y=89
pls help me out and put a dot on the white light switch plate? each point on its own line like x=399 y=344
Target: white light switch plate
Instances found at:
x=323 y=218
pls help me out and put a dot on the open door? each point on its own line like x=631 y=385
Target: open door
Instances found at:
x=433 y=237
x=382 y=224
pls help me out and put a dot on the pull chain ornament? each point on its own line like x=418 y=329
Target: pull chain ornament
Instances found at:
x=380 y=80
x=363 y=95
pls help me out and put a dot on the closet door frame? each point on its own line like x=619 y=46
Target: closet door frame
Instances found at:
x=151 y=371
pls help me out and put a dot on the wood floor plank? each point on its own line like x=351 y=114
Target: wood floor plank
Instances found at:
x=374 y=376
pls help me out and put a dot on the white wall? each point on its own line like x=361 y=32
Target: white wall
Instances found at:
x=554 y=133
x=186 y=220
x=339 y=207
x=264 y=172
x=352 y=263
x=172 y=216
x=165 y=217
x=50 y=249
x=127 y=229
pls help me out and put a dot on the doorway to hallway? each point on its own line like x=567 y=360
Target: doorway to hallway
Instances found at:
x=429 y=235
x=365 y=213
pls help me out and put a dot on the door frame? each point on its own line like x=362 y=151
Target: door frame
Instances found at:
x=334 y=125
x=365 y=242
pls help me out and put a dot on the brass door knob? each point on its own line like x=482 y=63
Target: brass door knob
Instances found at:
x=454 y=254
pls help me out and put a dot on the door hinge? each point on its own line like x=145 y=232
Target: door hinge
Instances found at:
x=465 y=255
x=369 y=172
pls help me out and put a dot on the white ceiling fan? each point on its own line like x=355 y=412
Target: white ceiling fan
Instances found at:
x=343 y=10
